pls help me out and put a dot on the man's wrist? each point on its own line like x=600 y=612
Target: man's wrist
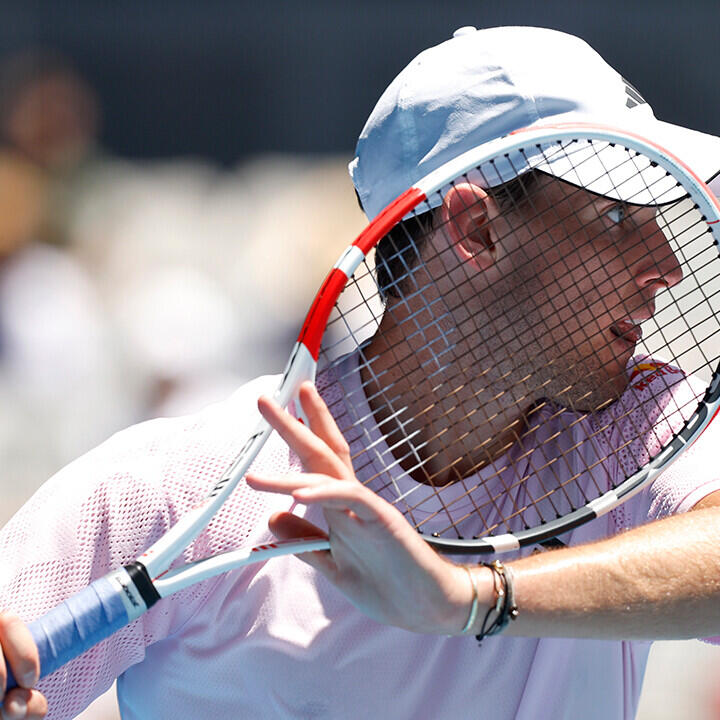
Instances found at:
x=473 y=600
x=491 y=604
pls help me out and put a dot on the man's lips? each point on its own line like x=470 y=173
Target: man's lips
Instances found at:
x=628 y=330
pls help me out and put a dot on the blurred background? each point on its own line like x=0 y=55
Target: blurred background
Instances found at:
x=173 y=188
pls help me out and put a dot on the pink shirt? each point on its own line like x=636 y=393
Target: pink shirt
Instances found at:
x=276 y=640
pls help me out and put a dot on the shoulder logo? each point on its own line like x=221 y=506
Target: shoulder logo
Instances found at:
x=634 y=98
x=651 y=371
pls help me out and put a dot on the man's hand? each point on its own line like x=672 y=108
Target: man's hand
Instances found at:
x=376 y=558
x=660 y=580
x=20 y=652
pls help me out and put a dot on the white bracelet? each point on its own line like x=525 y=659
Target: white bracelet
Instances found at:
x=474 y=607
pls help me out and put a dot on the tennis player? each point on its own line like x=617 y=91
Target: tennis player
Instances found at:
x=276 y=640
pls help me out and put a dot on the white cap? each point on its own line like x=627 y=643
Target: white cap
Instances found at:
x=484 y=84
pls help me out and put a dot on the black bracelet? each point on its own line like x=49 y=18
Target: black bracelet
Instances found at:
x=505 y=608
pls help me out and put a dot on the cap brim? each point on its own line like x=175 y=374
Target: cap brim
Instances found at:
x=608 y=169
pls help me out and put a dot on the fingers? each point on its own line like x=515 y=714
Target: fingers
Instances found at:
x=322 y=423
x=20 y=703
x=314 y=453
x=311 y=488
x=347 y=497
x=20 y=652
x=285 y=484
x=316 y=489
x=286 y=526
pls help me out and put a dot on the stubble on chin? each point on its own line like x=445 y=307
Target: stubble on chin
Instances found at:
x=583 y=385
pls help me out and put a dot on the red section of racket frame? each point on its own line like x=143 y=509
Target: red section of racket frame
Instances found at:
x=316 y=320
x=387 y=218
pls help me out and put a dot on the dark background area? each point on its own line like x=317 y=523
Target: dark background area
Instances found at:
x=225 y=79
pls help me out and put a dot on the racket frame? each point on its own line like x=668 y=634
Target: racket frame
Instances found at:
x=435 y=181
x=302 y=364
x=124 y=594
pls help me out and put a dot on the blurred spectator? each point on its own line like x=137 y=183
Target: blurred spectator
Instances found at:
x=50 y=115
x=59 y=386
x=204 y=274
x=23 y=194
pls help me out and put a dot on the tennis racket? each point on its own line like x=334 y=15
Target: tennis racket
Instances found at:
x=513 y=347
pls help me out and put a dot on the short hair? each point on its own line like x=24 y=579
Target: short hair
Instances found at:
x=397 y=252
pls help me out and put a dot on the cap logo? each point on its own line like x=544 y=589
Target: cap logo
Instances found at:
x=634 y=98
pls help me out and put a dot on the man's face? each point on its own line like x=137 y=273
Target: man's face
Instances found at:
x=558 y=313
x=581 y=274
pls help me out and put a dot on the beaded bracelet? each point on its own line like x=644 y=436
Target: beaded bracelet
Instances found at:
x=504 y=607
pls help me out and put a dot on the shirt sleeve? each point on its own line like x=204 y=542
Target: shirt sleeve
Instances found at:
x=108 y=507
x=656 y=405
x=693 y=476
x=81 y=524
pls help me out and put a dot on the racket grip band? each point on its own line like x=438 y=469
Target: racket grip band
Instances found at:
x=93 y=614
x=142 y=582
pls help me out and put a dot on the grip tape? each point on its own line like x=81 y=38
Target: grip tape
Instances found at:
x=83 y=620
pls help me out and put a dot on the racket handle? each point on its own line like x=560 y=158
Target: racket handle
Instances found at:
x=83 y=620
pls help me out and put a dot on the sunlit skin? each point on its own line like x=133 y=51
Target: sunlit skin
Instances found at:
x=539 y=302
x=575 y=276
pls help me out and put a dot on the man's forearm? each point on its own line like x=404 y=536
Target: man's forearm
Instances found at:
x=661 y=580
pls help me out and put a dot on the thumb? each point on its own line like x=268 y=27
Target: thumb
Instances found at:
x=286 y=526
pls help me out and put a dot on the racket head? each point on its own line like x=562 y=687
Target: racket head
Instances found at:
x=526 y=338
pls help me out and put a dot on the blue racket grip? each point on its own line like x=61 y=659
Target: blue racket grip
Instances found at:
x=83 y=620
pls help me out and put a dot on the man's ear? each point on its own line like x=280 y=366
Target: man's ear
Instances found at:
x=465 y=217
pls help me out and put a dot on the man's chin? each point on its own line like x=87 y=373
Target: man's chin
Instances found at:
x=592 y=392
x=603 y=394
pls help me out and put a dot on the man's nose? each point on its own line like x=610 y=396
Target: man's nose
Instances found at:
x=658 y=263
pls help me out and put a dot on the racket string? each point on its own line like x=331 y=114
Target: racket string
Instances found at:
x=449 y=368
